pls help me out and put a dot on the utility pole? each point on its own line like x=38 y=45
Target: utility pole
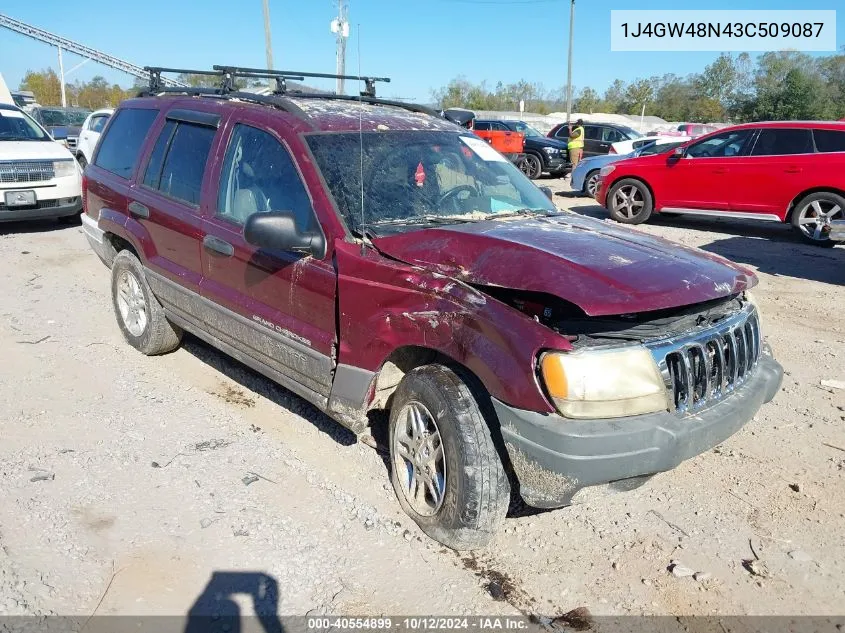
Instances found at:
x=62 y=77
x=569 y=62
x=340 y=27
x=268 y=43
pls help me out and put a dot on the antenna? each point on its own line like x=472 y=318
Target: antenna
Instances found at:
x=365 y=239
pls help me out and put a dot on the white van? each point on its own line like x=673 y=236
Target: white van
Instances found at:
x=39 y=178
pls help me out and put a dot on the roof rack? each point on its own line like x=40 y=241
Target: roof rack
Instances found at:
x=227 y=87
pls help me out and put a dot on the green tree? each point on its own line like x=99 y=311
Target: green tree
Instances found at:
x=614 y=96
x=637 y=95
x=588 y=100
x=45 y=85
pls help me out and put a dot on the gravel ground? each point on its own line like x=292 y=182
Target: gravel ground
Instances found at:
x=123 y=477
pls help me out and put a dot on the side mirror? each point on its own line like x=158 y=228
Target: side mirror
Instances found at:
x=549 y=194
x=278 y=231
x=59 y=134
x=679 y=152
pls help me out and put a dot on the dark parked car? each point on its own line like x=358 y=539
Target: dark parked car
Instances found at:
x=542 y=154
x=376 y=256
x=598 y=137
x=64 y=124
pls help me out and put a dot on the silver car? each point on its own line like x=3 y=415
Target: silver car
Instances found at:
x=585 y=176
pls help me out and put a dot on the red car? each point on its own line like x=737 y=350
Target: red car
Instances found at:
x=788 y=171
x=370 y=255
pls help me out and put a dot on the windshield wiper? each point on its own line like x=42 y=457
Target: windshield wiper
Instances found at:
x=423 y=219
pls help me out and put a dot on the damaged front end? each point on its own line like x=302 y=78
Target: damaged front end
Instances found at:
x=637 y=395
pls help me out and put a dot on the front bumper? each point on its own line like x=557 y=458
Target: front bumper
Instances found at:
x=837 y=230
x=554 y=458
x=55 y=198
x=555 y=164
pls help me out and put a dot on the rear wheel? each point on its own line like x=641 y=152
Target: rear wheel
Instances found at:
x=591 y=183
x=83 y=163
x=814 y=213
x=532 y=166
x=444 y=467
x=629 y=201
x=139 y=314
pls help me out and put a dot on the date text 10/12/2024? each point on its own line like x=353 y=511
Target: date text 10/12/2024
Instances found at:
x=419 y=623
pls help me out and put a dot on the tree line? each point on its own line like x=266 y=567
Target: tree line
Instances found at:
x=776 y=86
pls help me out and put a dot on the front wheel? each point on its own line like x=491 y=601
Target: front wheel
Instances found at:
x=445 y=469
x=629 y=201
x=532 y=166
x=591 y=183
x=813 y=215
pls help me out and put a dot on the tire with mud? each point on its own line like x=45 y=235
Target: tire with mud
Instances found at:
x=445 y=469
x=139 y=314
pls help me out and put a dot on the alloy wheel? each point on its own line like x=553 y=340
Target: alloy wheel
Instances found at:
x=131 y=304
x=815 y=217
x=628 y=201
x=418 y=459
x=592 y=185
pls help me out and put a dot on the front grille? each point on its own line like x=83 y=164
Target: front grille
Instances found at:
x=704 y=367
x=26 y=171
x=72 y=141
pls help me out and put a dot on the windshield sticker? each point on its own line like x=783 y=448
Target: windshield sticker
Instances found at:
x=483 y=150
x=419 y=176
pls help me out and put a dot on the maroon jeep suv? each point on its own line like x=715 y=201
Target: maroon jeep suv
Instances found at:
x=368 y=254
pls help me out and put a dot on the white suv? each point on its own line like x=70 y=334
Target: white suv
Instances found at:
x=39 y=177
x=90 y=134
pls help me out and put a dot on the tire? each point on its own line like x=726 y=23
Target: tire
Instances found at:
x=131 y=297
x=532 y=166
x=641 y=204
x=812 y=216
x=591 y=182
x=466 y=495
x=83 y=163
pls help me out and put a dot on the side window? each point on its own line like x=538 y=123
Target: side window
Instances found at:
x=481 y=125
x=118 y=150
x=98 y=123
x=782 y=141
x=259 y=176
x=177 y=163
x=593 y=132
x=499 y=127
x=611 y=135
x=720 y=145
x=829 y=140
x=562 y=132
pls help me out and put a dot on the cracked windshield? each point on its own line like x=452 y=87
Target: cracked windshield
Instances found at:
x=418 y=178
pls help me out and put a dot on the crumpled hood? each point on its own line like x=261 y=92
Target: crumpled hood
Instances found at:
x=603 y=269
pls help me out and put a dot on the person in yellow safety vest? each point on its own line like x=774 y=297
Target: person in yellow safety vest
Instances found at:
x=575 y=145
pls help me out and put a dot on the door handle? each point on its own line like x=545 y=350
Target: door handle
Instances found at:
x=793 y=169
x=138 y=209
x=217 y=245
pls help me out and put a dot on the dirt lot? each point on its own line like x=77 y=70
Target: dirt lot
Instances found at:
x=123 y=477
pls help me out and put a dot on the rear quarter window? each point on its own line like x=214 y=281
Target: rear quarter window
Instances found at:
x=119 y=147
x=830 y=140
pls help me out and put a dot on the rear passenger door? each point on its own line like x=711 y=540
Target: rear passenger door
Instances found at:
x=774 y=172
x=166 y=201
x=277 y=308
x=592 y=140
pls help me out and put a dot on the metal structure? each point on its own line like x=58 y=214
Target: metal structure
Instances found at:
x=340 y=27
x=64 y=44
x=268 y=43
x=569 y=62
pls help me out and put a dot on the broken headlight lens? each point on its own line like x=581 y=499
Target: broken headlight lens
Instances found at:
x=610 y=383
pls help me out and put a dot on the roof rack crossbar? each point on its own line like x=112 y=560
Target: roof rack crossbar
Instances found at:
x=297 y=75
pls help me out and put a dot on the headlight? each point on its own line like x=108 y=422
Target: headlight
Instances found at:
x=606 y=170
x=64 y=168
x=551 y=150
x=604 y=383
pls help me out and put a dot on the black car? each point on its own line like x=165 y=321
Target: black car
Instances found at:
x=542 y=154
x=598 y=137
x=64 y=124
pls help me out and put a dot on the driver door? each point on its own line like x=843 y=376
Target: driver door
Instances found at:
x=701 y=179
x=277 y=308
